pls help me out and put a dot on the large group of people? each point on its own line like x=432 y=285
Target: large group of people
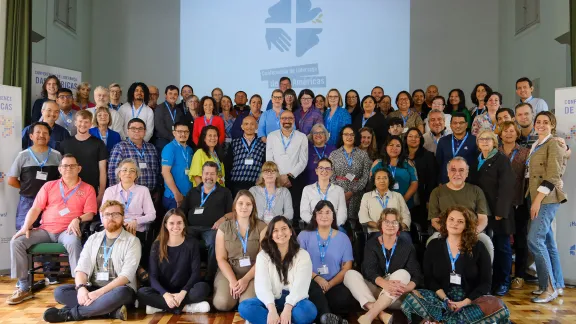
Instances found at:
x=300 y=211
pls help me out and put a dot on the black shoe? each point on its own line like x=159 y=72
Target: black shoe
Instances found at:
x=121 y=313
x=501 y=290
x=530 y=278
x=55 y=315
x=330 y=318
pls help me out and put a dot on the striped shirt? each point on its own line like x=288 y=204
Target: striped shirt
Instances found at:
x=239 y=150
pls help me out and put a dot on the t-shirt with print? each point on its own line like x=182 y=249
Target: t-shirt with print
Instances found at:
x=99 y=266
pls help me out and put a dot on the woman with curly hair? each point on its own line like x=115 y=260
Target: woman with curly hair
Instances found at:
x=457 y=276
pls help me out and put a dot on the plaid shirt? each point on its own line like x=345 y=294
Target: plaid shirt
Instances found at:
x=124 y=150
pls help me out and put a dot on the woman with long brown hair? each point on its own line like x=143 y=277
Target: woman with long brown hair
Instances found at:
x=175 y=282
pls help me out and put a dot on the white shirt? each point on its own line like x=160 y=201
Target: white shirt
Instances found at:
x=311 y=197
x=145 y=113
x=430 y=142
x=117 y=121
x=294 y=158
x=370 y=207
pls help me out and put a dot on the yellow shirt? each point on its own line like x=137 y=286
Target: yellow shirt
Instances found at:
x=198 y=161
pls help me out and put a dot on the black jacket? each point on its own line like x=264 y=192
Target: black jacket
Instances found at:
x=378 y=123
x=217 y=205
x=427 y=170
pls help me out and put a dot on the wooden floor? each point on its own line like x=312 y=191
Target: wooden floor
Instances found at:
x=562 y=310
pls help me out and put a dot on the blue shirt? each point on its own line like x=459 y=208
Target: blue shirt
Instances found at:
x=538 y=104
x=269 y=122
x=468 y=151
x=113 y=137
x=404 y=176
x=339 y=251
x=58 y=135
x=340 y=119
x=175 y=156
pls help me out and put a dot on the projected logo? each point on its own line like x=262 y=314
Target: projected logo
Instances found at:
x=305 y=37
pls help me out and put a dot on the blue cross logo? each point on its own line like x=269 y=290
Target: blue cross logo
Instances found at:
x=573 y=250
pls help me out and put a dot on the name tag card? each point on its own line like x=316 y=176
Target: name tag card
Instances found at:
x=64 y=212
x=396 y=186
x=102 y=276
x=186 y=171
x=244 y=262
x=142 y=165
x=323 y=270
x=199 y=211
x=350 y=177
x=248 y=161
x=41 y=175
x=227 y=140
x=455 y=279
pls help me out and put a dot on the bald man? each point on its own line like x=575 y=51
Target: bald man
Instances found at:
x=154 y=94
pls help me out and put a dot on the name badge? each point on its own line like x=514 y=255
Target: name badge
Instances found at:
x=350 y=176
x=64 y=212
x=244 y=262
x=186 y=171
x=405 y=130
x=323 y=270
x=248 y=161
x=455 y=279
x=227 y=140
x=199 y=211
x=41 y=175
x=102 y=276
x=396 y=186
x=387 y=276
x=142 y=165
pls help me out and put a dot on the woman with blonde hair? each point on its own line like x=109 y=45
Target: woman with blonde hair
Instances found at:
x=102 y=120
x=271 y=198
x=82 y=100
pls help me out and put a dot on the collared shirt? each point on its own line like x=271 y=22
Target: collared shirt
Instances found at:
x=145 y=113
x=310 y=197
x=268 y=122
x=49 y=200
x=281 y=203
x=67 y=121
x=141 y=207
x=294 y=158
x=538 y=104
x=198 y=160
x=217 y=204
x=25 y=168
x=126 y=149
x=371 y=208
x=242 y=172
x=305 y=120
x=335 y=123
x=430 y=141
x=59 y=134
x=404 y=175
x=179 y=158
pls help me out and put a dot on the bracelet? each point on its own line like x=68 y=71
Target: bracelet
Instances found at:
x=316 y=275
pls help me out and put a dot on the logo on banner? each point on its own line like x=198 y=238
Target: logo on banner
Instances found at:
x=6 y=126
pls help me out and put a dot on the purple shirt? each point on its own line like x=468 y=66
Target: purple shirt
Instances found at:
x=310 y=175
x=305 y=121
x=338 y=252
x=141 y=207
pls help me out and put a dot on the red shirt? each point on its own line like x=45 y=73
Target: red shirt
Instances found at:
x=77 y=108
x=199 y=124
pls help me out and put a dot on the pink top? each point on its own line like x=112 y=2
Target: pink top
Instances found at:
x=199 y=123
x=141 y=207
x=49 y=200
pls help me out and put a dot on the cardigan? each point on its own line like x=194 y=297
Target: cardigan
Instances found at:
x=545 y=170
x=379 y=125
x=282 y=204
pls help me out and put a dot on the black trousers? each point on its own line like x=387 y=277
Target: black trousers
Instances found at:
x=146 y=244
x=296 y=193
x=522 y=219
x=151 y=297
x=337 y=300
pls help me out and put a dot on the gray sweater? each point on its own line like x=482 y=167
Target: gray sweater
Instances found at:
x=282 y=204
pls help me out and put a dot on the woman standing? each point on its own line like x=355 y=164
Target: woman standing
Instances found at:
x=487 y=121
x=418 y=96
x=352 y=106
x=290 y=102
x=175 y=284
x=308 y=115
x=479 y=98
x=208 y=150
x=546 y=164
x=217 y=94
x=237 y=245
x=191 y=112
x=371 y=119
x=496 y=179
x=368 y=142
x=102 y=120
x=82 y=100
x=320 y=103
x=317 y=150
x=228 y=118
x=208 y=118
x=385 y=105
x=271 y=198
x=410 y=118
x=49 y=89
x=282 y=279
x=335 y=117
x=457 y=103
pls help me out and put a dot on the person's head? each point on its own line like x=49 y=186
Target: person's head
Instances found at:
x=439 y=103
x=385 y=104
x=323 y=216
x=383 y=180
x=173 y=224
x=244 y=207
x=50 y=86
x=458 y=123
x=83 y=91
x=69 y=167
x=171 y=93
x=334 y=98
x=457 y=171
x=392 y=148
x=128 y=171
x=181 y=132
x=352 y=98
x=324 y=169
x=249 y=125
x=226 y=103
x=269 y=174
x=509 y=132
x=367 y=139
x=115 y=91
x=50 y=111
x=319 y=135
x=287 y=120
x=284 y=84
x=306 y=98
x=504 y=114
x=457 y=99
x=368 y=104
x=320 y=102
x=255 y=103
x=390 y=222
x=101 y=96
x=154 y=94
x=186 y=92
x=139 y=91
x=136 y=129
x=487 y=141
x=377 y=92
x=347 y=136
x=217 y=95
x=112 y=214
x=208 y=140
x=280 y=234
x=40 y=133
x=414 y=138
x=431 y=93
x=193 y=105
x=404 y=101
x=524 y=114
x=83 y=121
x=545 y=123
x=209 y=174
x=207 y=106
x=395 y=126
x=418 y=96
x=479 y=93
x=102 y=117
x=460 y=221
x=277 y=98
x=524 y=88
x=290 y=100
x=436 y=121
x=494 y=101
x=240 y=98
x=64 y=98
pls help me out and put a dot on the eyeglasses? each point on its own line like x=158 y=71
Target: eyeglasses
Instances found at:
x=182 y=132
x=137 y=129
x=269 y=172
x=288 y=96
x=333 y=97
x=65 y=97
x=112 y=215
x=484 y=139
x=68 y=166
x=321 y=169
x=277 y=97
x=318 y=133
x=305 y=99
x=128 y=170
x=390 y=223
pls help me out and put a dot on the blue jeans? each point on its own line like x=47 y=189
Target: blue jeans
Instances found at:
x=254 y=311
x=105 y=304
x=208 y=235
x=542 y=245
x=502 y=266
x=24 y=205
x=168 y=203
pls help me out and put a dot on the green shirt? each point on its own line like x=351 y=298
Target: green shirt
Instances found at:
x=470 y=196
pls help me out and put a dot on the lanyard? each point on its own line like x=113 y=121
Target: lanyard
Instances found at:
x=107 y=251
x=302 y=118
x=66 y=198
x=364 y=120
x=43 y=163
x=391 y=254
x=127 y=202
x=111 y=106
x=383 y=203
x=487 y=117
x=216 y=159
x=323 y=247
x=139 y=110
x=452 y=260
x=250 y=148
x=269 y=200
x=348 y=157
x=328 y=118
x=172 y=114
x=66 y=118
x=392 y=170
x=455 y=151
x=289 y=140
x=513 y=155
x=105 y=138
x=184 y=153
x=208 y=122
x=139 y=152
x=258 y=119
x=405 y=119
x=481 y=161
x=244 y=241
x=321 y=156
x=202 y=198
x=324 y=196
x=532 y=153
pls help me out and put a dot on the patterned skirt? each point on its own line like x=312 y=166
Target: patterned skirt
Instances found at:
x=483 y=310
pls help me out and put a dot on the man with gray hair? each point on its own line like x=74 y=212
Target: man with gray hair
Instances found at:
x=50 y=113
x=102 y=99
x=115 y=96
x=435 y=129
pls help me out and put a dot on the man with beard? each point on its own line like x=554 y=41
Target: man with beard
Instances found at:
x=50 y=112
x=64 y=99
x=102 y=99
x=437 y=130
x=241 y=98
x=460 y=143
x=154 y=95
x=377 y=93
x=105 y=279
x=138 y=96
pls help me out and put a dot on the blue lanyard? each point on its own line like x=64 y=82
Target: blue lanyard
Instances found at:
x=244 y=241
x=455 y=151
x=208 y=122
x=513 y=155
x=487 y=117
x=127 y=202
x=185 y=154
x=250 y=148
x=392 y=170
x=324 y=196
x=66 y=198
x=104 y=139
x=481 y=161
x=391 y=254
x=139 y=110
x=107 y=251
x=216 y=159
x=321 y=156
x=328 y=118
x=139 y=152
x=532 y=153
x=172 y=114
x=43 y=163
x=289 y=140
x=383 y=203
x=269 y=200
x=202 y=198
x=405 y=119
x=66 y=118
x=323 y=247
x=111 y=106
x=349 y=158
x=452 y=260
x=364 y=120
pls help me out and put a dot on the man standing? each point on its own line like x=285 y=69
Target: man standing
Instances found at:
x=205 y=207
x=284 y=84
x=176 y=160
x=437 y=130
x=524 y=89
x=270 y=119
x=33 y=167
x=50 y=112
x=154 y=95
x=525 y=119
x=377 y=93
x=240 y=98
x=105 y=279
x=461 y=143
x=186 y=92
x=138 y=96
x=165 y=117
x=64 y=205
x=90 y=152
x=431 y=93
x=102 y=99
x=64 y=99
x=115 y=95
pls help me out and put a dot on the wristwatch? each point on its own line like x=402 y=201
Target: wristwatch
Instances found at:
x=80 y=286
x=79 y=219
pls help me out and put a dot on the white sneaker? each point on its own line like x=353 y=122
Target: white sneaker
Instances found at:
x=201 y=307
x=152 y=310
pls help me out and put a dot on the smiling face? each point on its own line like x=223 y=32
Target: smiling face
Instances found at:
x=211 y=138
x=285 y=85
x=281 y=233
x=255 y=104
x=103 y=118
x=240 y=98
x=82 y=124
x=365 y=139
x=208 y=107
x=217 y=94
x=524 y=116
x=269 y=175
x=431 y=92
x=390 y=225
x=457 y=172
x=438 y=104
x=243 y=207
x=209 y=176
x=377 y=93
x=455 y=223
x=413 y=139
x=394 y=148
x=172 y=96
x=101 y=97
x=287 y=120
x=115 y=93
x=225 y=104
x=381 y=181
x=458 y=125
x=348 y=136
x=40 y=135
x=503 y=116
x=288 y=99
x=139 y=93
x=51 y=86
x=454 y=98
x=249 y=125
x=485 y=142
x=351 y=99
x=112 y=218
x=277 y=99
x=481 y=93
x=181 y=133
x=84 y=93
x=175 y=225
x=324 y=170
x=436 y=122
x=306 y=101
x=136 y=131
x=318 y=136
x=324 y=217
x=493 y=103
x=333 y=98
x=385 y=104
x=128 y=173
x=320 y=104
x=524 y=90
x=509 y=135
x=543 y=125
x=369 y=105
x=69 y=168
x=186 y=92
x=403 y=102
x=418 y=98
x=50 y=113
